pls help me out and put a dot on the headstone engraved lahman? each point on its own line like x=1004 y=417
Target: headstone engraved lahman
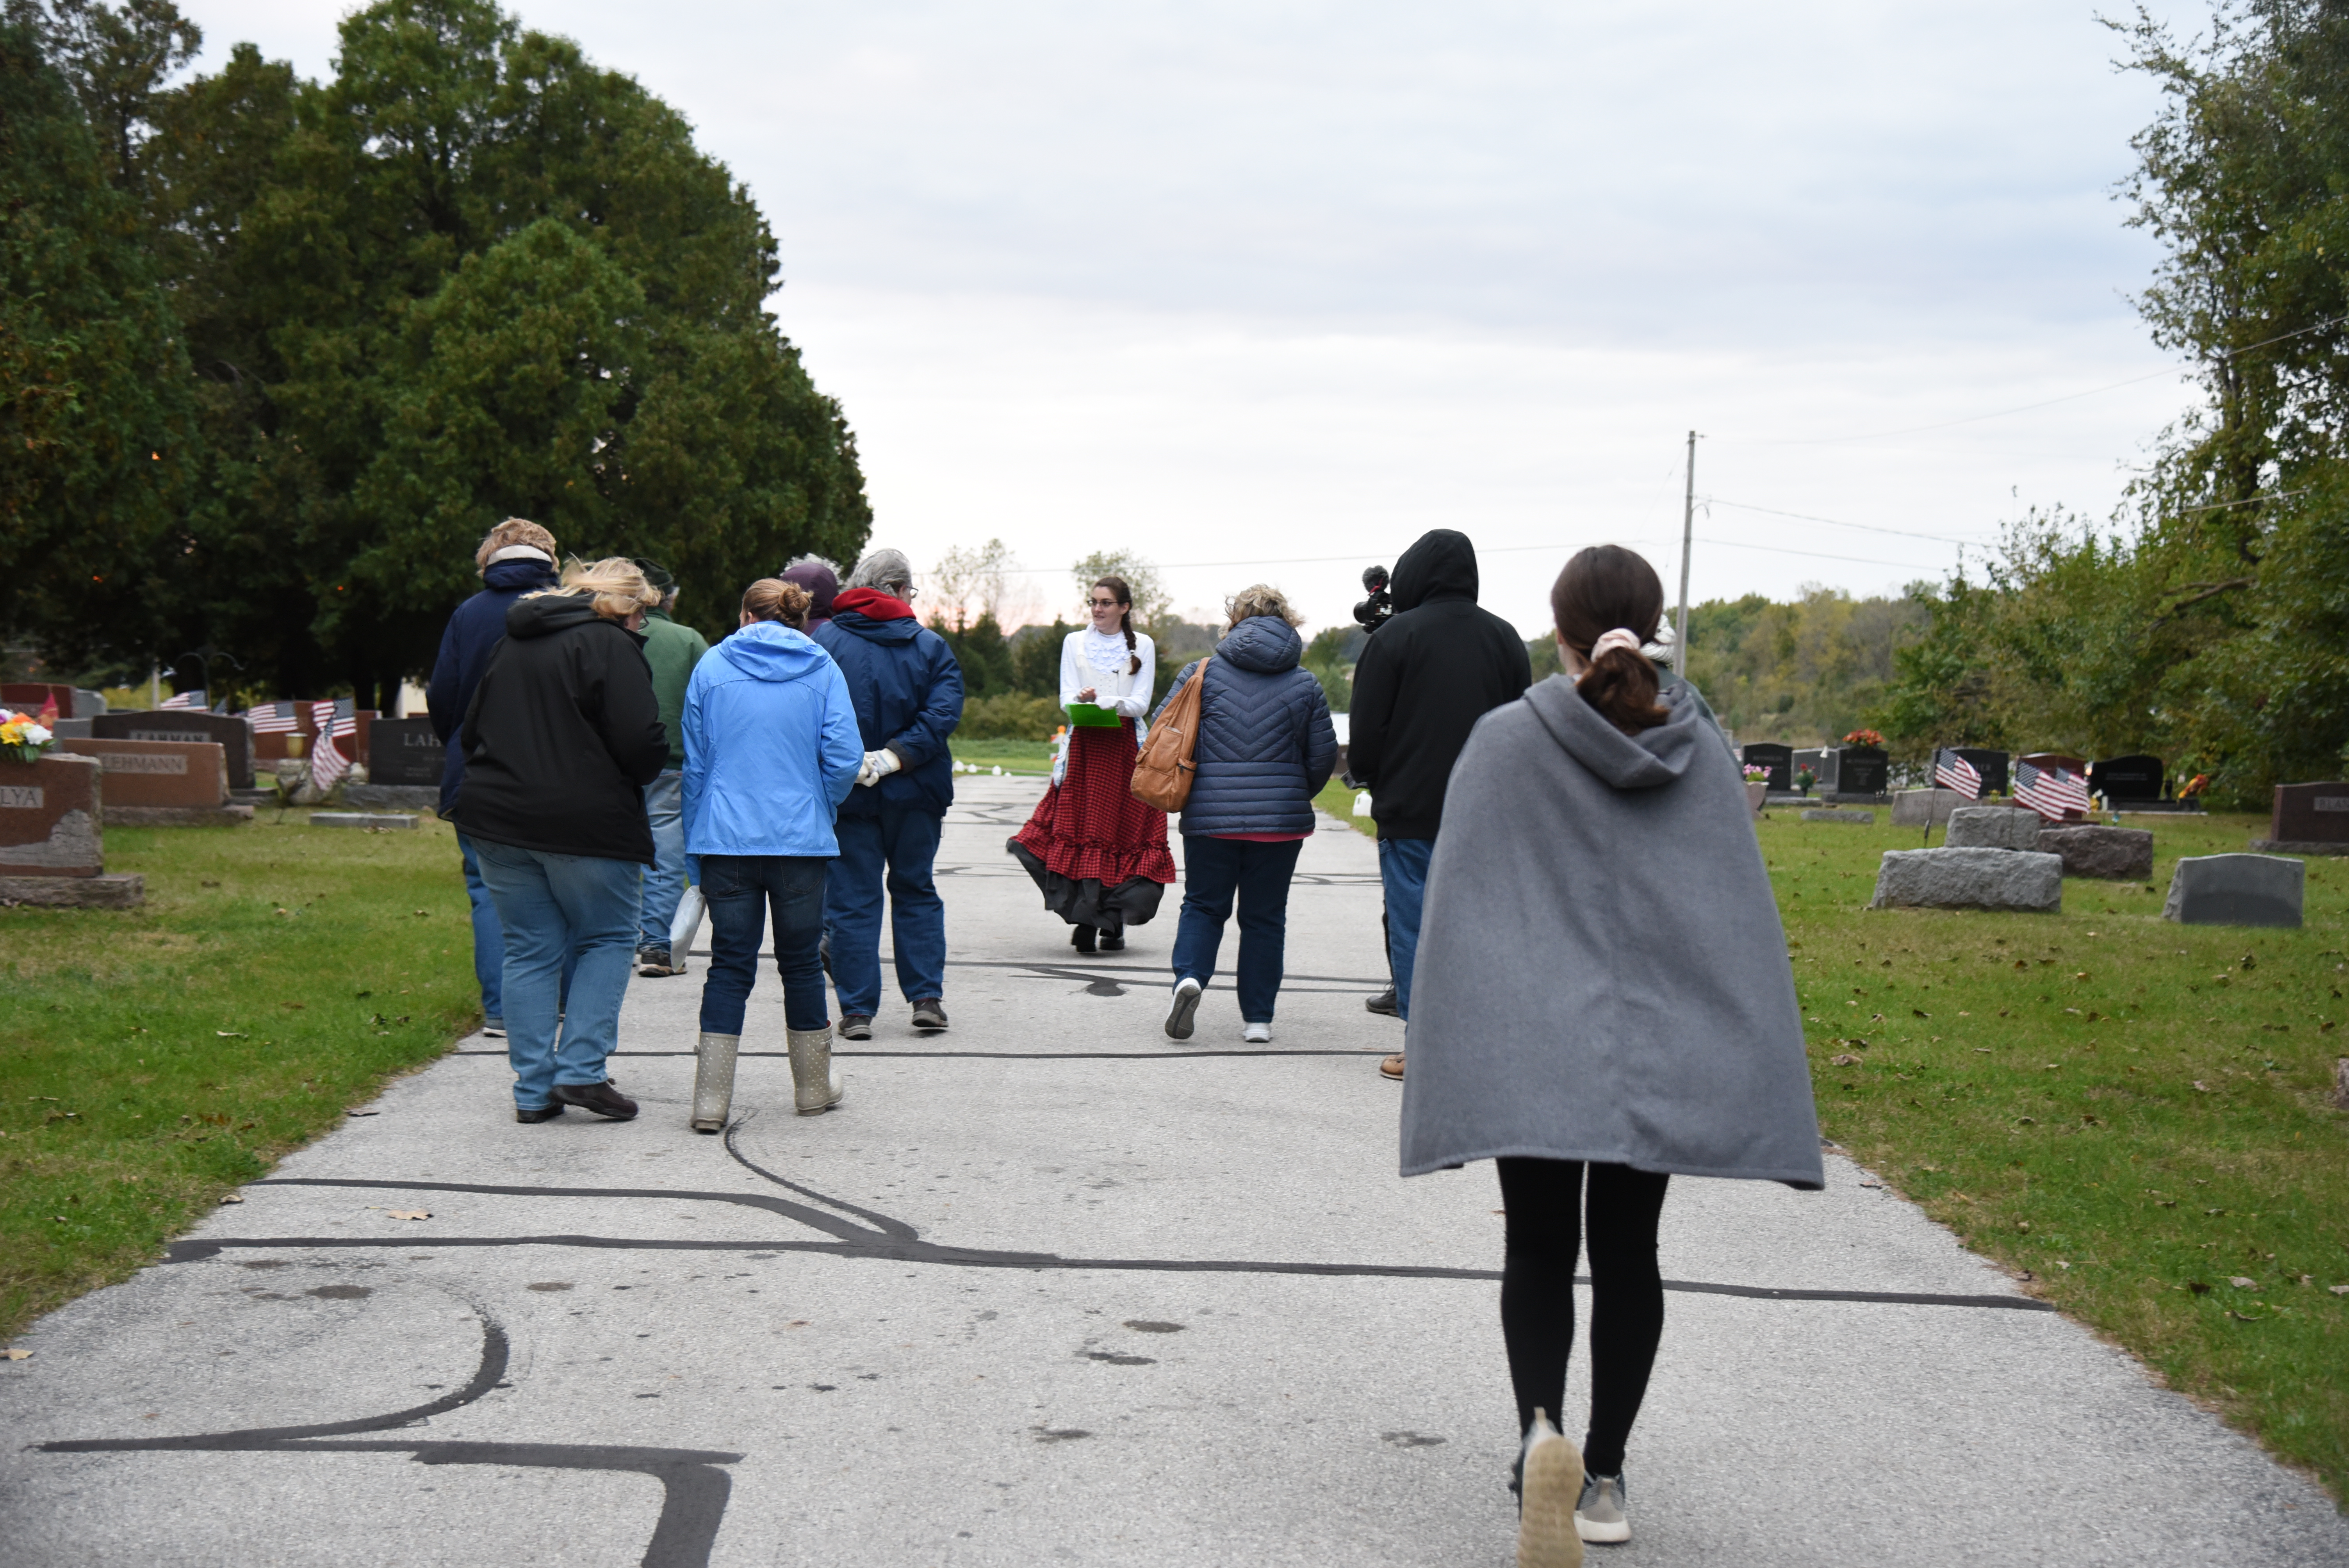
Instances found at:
x=163 y=783
x=403 y=761
x=2236 y=889
x=1778 y=759
x=2309 y=820
x=234 y=738
x=51 y=849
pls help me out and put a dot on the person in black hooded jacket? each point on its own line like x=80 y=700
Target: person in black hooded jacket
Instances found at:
x=562 y=736
x=1425 y=678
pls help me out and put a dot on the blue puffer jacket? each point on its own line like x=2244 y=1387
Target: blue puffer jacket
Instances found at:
x=1265 y=746
x=770 y=747
x=907 y=689
x=474 y=632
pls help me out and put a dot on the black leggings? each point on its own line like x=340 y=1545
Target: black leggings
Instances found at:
x=1546 y=1207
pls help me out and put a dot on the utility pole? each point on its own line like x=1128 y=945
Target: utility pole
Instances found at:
x=1688 y=533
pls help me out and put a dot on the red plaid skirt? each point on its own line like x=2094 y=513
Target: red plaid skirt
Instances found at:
x=1089 y=827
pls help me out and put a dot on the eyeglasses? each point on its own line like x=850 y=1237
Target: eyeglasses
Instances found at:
x=1104 y=604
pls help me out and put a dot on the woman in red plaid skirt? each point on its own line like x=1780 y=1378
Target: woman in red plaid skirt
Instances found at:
x=1098 y=854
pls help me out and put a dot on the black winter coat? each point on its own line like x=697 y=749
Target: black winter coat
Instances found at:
x=563 y=736
x=1264 y=747
x=1423 y=682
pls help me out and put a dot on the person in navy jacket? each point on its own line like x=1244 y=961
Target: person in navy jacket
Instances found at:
x=907 y=690
x=517 y=557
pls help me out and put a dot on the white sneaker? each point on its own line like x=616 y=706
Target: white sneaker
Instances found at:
x=1550 y=1472
x=1186 y=1002
x=1599 y=1515
x=1258 y=1033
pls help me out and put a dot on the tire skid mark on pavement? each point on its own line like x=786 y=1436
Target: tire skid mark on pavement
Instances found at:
x=694 y=1489
x=893 y=1240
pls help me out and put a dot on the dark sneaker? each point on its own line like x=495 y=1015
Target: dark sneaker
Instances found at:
x=602 y=1098
x=1082 y=938
x=1186 y=1004
x=929 y=1015
x=1384 y=1002
x=1112 y=943
x=823 y=952
x=532 y=1115
x=855 y=1026
x=652 y=963
x=1599 y=1516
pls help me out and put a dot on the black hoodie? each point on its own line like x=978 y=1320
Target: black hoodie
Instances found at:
x=1423 y=682
x=563 y=734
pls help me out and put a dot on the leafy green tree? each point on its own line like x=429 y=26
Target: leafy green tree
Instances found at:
x=95 y=424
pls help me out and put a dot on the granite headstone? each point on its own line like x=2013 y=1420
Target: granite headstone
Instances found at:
x=2236 y=890
x=234 y=738
x=2120 y=779
x=163 y=783
x=1778 y=759
x=2309 y=820
x=1862 y=771
x=1991 y=765
x=404 y=751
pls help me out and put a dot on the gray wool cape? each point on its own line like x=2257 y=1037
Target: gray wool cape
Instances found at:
x=1601 y=970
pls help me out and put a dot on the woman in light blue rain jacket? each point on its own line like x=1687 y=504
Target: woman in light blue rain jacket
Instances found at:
x=772 y=748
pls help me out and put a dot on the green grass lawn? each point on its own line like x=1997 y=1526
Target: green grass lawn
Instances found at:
x=2128 y=1113
x=153 y=1060
x=1011 y=755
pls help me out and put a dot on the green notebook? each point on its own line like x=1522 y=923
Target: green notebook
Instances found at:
x=1086 y=715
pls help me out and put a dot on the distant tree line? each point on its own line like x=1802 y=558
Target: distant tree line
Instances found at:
x=276 y=353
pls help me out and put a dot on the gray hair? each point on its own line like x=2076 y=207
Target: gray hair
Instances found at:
x=883 y=569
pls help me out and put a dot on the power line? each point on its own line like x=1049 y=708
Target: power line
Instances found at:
x=2051 y=402
x=1807 y=517
x=1815 y=554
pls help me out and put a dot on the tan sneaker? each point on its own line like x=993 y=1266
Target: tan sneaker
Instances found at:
x=1551 y=1471
x=1392 y=1067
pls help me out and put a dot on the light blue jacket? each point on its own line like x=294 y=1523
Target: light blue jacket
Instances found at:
x=770 y=747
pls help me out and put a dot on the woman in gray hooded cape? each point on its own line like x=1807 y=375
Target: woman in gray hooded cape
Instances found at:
x=1601 y=1000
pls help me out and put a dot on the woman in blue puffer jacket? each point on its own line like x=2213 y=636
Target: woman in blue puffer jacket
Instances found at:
x=1264 y=748
x=771 y=749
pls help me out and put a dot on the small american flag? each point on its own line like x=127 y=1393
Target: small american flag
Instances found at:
x=186 y=700
x=272 y=719
x=2050 y=791
x=1951 y=771
x=328 y=763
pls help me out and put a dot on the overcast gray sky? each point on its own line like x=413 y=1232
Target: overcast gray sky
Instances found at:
x=1256 y=283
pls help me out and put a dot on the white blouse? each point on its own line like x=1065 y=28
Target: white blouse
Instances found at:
x=1129 y=693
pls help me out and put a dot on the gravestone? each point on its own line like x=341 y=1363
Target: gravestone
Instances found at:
x=51 y=846
x=1970 y=879
x=2309 y=820
x=1924 y=808
x=2236 y=890
x=1991 y=765
x=1862 y=771
x=163 y=783
x=1822 y=764
x=1993 y=828
x=1857 y=819
x=234 y=738
x=359 y=819
x=89 y=704
x=2126 y=778
x=2056 y=759
x=1778 y=759
x=2118 y=854
x=30 y=697
x=403 y=762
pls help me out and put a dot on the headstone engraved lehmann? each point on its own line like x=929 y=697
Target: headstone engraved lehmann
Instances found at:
x=163 y=783
x=231 y=735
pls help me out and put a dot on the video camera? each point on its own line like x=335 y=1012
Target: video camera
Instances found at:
x=1373 y=613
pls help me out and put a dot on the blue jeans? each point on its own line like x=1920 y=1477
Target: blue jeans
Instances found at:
x=665 y=878
x=1214 y=872
x=489 y=941
x=739 y=889
x=558 y=908
x=903 y=840
x=1402 y=867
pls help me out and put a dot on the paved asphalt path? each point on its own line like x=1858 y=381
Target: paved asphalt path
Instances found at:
x=1048 y=1288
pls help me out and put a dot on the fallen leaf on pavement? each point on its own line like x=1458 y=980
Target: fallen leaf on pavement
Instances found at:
x=232 y=1198
x=13 y=1354
x=410 y=1214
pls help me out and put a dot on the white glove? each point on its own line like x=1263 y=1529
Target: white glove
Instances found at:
x=878 y=765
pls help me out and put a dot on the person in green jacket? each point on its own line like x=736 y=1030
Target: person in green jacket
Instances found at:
x=672 y=651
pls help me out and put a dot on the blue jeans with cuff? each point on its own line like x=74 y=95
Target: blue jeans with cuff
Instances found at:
x=665 y=878
x=1402 y=867
x=739 y=890
x=1215 y=873
x=902 y=841
x=559 y=909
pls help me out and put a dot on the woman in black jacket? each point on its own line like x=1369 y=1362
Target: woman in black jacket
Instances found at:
x=562 y=736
